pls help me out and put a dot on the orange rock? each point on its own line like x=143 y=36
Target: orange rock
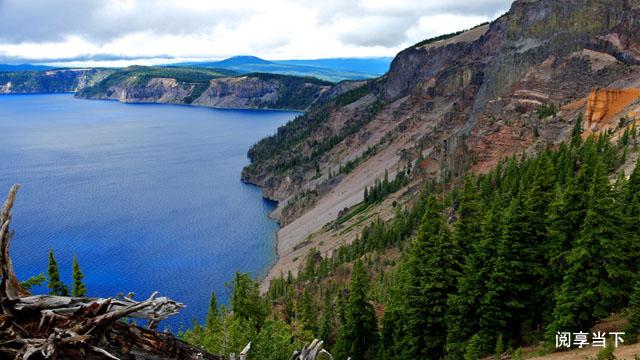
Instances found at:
x=604 y=105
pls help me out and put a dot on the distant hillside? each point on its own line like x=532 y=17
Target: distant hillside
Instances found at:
x=334 y=70
x=241 y=61
x=50 y=81
x=121 y=82
x=23 y=67
x=207 y=87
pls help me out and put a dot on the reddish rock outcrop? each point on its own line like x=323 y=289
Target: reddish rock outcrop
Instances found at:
x=606 y=106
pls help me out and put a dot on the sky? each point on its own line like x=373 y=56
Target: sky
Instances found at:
x=147 y=32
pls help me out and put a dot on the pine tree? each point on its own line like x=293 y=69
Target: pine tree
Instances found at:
x=213 y=315
x=505 y=307
x=308 y=312
x=539 y=198
x=326 y=324
x=588 y=295
x=467 y=230
x=630 y=197
x=79 y=289
x=392 y=330
x=213 y=333
x=566 y=216
x=55 y=285
x=462 y=318
x=246 y=302
x=357 y=336
x=439 y=279
x=288 y=310
x=427 y=276
x=576 y=133
x=633 y=329
x=474 y=348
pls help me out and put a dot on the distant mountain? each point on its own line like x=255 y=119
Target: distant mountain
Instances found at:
x=50 y=81
x=242 y=60
x=23 y=67
x=334 y=70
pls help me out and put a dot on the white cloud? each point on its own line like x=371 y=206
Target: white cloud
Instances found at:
x=150 y=31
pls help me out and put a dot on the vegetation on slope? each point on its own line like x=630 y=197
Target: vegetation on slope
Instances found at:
x=294 y=92
x=538 y=245
x=291 y=145
x=54 y=81
x=447 y=36
x=139 y=76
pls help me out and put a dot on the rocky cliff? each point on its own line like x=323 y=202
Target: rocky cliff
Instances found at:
x=205 y=87
x=461 y=104
x=50 y=81
x=606 y=107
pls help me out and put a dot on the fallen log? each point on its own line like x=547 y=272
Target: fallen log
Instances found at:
x=34 y=327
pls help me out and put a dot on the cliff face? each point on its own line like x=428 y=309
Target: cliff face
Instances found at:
x=490 y=79
x=262 y=91
x=204 y=88
x=606 y=106
x=51 y=81
x=462 y=103
x=157 y=90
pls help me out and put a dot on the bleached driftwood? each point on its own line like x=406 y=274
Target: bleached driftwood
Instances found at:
x=314 y=351
x=59 y=327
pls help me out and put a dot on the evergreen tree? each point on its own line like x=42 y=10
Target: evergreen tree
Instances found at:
x=213 y=315
x=462 y=318
x=428 y=277
x=308 y=312
x=357 y=336
x=55 y=285
x=597 y=278
x=213 y=333
x=576 y=133
x=467 y=230
x=539 y=198
x=326 y=324
x=392 y=330
x=630 y=197
x=246 y=302
x=516 y=275
x=79 y=289
x=633 y=329
x=474 y=348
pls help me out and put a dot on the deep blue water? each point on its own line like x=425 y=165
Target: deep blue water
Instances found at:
x=148 y=197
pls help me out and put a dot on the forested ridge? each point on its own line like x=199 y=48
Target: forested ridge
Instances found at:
x=502 y=260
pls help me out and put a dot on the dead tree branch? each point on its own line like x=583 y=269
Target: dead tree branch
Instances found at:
x=59 y=327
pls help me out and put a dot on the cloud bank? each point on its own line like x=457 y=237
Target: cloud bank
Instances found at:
x=150 y=31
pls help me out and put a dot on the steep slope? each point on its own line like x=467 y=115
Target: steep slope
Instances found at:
x=263 y=91
x=207 y=87
x=460 y=103
x=50 y=81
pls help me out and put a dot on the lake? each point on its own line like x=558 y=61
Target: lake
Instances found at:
x=147 y=196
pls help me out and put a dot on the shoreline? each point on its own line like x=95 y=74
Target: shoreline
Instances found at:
x=300 y=111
